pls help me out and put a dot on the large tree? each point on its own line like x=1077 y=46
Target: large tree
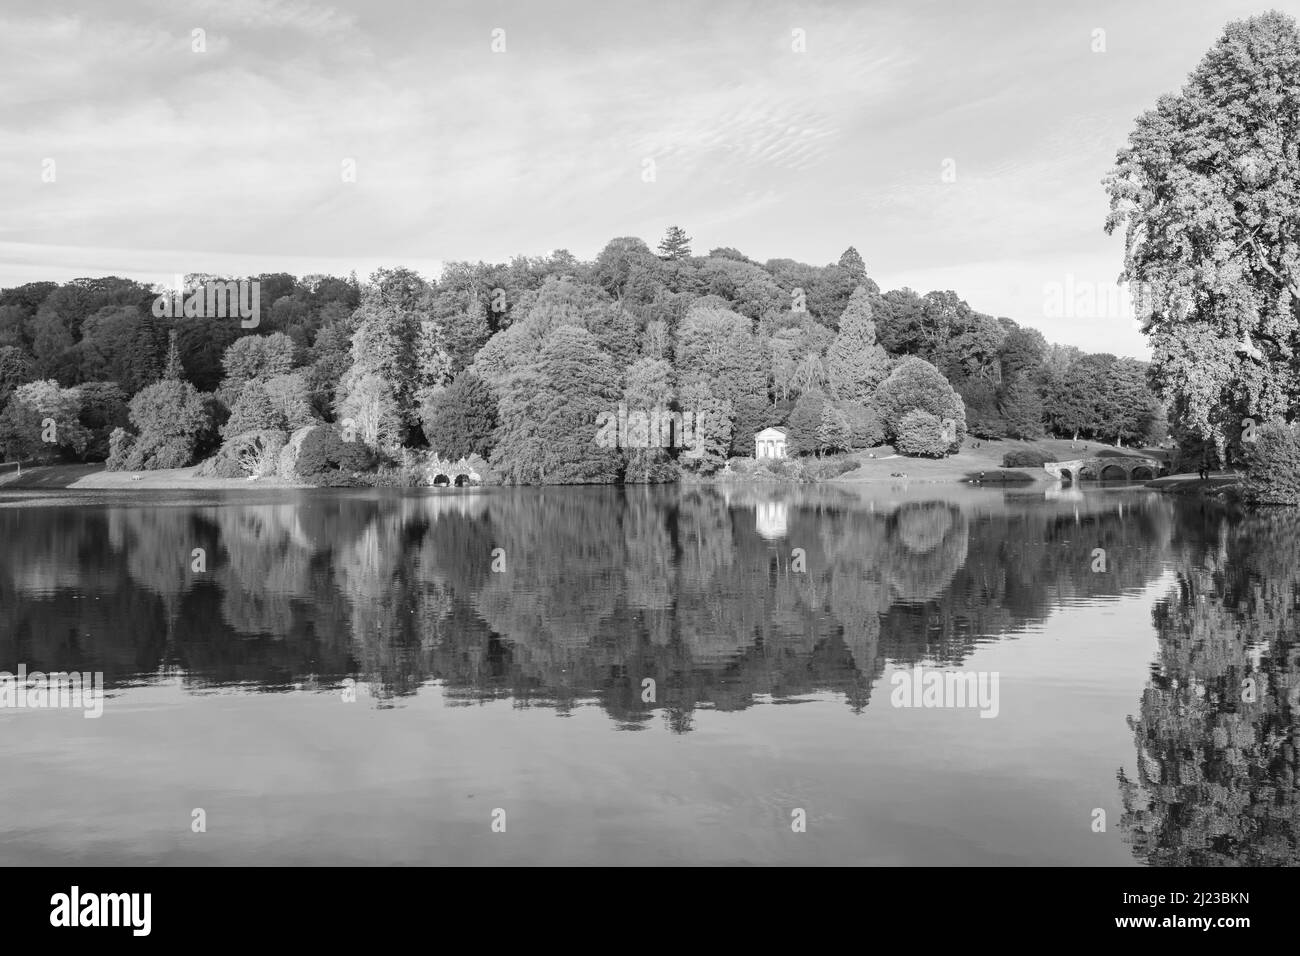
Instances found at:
x=916 y=384
x=1208 y=194
x=855 y=362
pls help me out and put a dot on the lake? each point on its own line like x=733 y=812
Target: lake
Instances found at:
x=650 y=675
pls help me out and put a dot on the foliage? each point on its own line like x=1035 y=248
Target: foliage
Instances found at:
x=917 y=385
x=1022 y=410
x=368 y=404
x=805 y=423
x=460 y=419
x=1273 y=465
x=252 y=411
x=549 y=409
x=743 y=344
x=855 y=362
x=1026 y=458
x=1207 y=192
x=257 y=357
x=326 y=459
x=675 y=244
x=168 y=417
x=921 y=435
x=255 y=453
x=865 y=427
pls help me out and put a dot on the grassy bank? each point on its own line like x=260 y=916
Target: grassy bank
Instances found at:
x=980 y=460
x=977 y=461
x=96 y=477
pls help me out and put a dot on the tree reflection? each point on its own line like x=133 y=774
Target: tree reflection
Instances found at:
x=649 y=601
x=1217 y=733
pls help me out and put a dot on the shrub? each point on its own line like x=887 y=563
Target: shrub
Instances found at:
x=252 y=453
x=121 y=443
x=829 y=467
x=1025 y=458
x=326 y=459
x=921 y=434
x=1273 y=465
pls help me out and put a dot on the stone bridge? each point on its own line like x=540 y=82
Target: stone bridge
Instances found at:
x=1117 y=468
x=442 y=473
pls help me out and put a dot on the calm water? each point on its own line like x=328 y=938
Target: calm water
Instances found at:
x=523 y=689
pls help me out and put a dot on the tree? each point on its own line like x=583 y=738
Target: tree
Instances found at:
x=865 y=428
x=921 y=434
x=675 y=244
x=46 y=410
x=804 y=426
x=257 y=357
x=1022 y=353
x=1273 y=465
x=648 y=389
x=713 y=418
x=169 y=417
x=20 y=433
x=851 y=262
x=172 y=368
x=102 y=409
x=855 y=363
x=385 y=346
x=834 y=431
x=252 y=412
x=617 y=263
x=1022 y=409
x=916 y=384
x=368 y=405
x=460 y=419
x=327 y=458
x=15 y=369
x=290 y=399
x=752 y=416
x=1208 y=193
x=716 y=347
x=124 y=345
x=984 y=418
x=549 y=410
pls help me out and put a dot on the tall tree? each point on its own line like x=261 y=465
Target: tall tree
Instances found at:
x=1208 y=193
x=855 y=362
x=172 y=368
x=851 y=262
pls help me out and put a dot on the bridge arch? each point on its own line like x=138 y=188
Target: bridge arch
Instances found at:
x=1113 y=472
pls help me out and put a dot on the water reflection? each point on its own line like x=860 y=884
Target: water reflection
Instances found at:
x=1217 y=735
x=720 y=599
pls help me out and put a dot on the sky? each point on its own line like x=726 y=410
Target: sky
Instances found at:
x=956 y=145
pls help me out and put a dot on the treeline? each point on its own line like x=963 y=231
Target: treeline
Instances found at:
x=512 y=364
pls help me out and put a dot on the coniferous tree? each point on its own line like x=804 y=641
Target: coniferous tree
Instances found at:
x=675 y=244
x=173 y=371
x=855 y=362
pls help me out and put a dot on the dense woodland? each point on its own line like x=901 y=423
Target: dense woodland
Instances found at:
x=510 y=365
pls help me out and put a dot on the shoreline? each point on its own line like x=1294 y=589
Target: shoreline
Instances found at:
x=971 y=465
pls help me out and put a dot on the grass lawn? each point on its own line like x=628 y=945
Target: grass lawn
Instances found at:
x=971 y=462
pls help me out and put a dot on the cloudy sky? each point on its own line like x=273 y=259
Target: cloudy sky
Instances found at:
x=232 y=159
